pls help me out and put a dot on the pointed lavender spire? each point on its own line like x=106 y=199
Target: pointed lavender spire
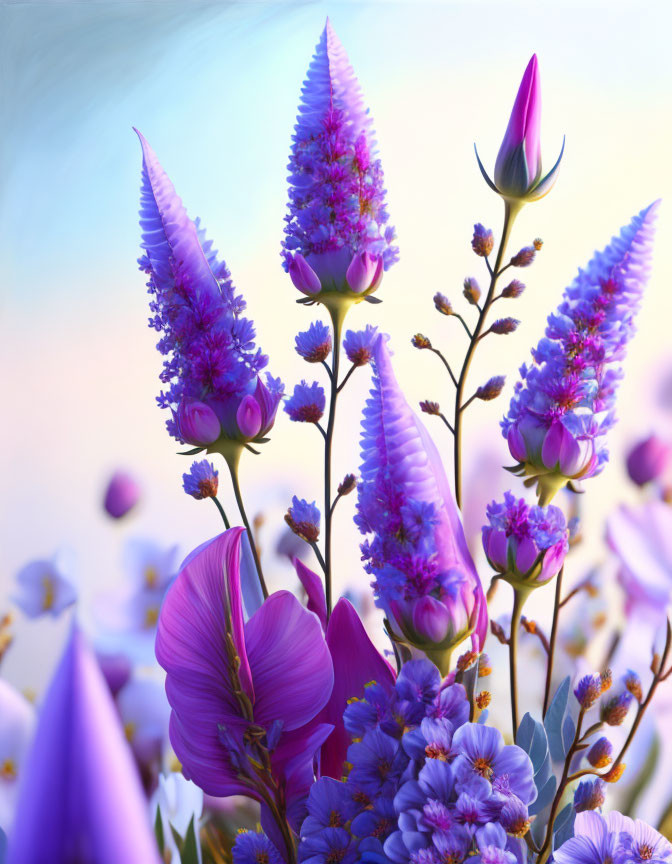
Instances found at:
x=80 y=798
x=212 y=364
x=425 y=579
x=337 y=214
x=564 y=404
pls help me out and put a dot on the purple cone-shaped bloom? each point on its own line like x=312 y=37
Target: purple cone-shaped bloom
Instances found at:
x=525 y=544
x=641 y=537
x=648 y=459
x=564 y=404
x=337 y=237
x=81 y=798
x=425 y=579
x=518 y=174
x=211 y=362
x=121 y=495
x=227 y=676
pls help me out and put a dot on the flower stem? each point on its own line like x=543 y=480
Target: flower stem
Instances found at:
x=511 y=209
x=221 y=512
x=519 y=598
x=232 y=460
x=554 y=635
x=337 y=312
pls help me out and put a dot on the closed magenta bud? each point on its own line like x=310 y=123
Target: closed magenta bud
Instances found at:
x=248 y=417
x=365 y=272
x=121 y=495
x=648 y=460
x=197 y=423
x=303 y=276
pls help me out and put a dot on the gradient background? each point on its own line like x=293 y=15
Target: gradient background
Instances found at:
x=214 y=87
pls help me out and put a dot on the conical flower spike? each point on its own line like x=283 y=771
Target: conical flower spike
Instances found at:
x=338 y=240
x=212 y=365
x=564 y=405
x=518 y=174
x=81 y=798
x=425 y=579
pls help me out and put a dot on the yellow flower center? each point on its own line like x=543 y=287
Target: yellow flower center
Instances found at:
x=8 y=769
x=151 y=576
x=48 y=598
x=482 y=767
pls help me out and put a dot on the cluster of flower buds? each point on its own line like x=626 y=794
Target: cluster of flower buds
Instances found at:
x=525 y=545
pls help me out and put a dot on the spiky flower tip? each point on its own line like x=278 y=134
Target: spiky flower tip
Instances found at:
x=424 y=578
x=304 y=519
x=211 y=365
x=337 y=236
x=563 y=406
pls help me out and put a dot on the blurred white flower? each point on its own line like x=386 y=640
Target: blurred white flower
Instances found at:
x=45 y=587
x=17 y=722
x=179 y=801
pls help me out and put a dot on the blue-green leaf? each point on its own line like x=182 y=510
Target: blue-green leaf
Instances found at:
x=544 y=797
x=554 y=719
x=158 y=831
x=563 y=828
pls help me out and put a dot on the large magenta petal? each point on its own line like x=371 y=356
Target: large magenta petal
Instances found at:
x=291 y=666
x=356 y=663
x=81 y=797
x=191 y=647
x=314 y=588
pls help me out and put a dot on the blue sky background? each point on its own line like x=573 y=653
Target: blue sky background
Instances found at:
x=214 y=87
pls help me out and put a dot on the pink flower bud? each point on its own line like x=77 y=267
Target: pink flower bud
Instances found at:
x=648 y=459
x=121 y=495
x=197 y=423
x=303 y=276
x=248 y=417
x=518 y=164
x=431 y=619
x=365 y=272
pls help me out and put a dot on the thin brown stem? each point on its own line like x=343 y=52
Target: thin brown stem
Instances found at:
x=553 y=640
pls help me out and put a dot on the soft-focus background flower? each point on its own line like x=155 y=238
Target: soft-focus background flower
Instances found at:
x=214 y=87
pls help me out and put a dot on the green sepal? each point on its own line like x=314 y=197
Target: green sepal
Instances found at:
x=192 y=452
x=189 y=850
x=371 y=299
x=158 y=831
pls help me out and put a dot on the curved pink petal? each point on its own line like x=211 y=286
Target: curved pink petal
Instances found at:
x=291 y=666
x=314 y=588
x=356 y=663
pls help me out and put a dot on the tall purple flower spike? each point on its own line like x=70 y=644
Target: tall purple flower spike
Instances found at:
x=212 y=365
x=337 y=233
x=425 y=579
x=518 y=174
x=81 y=798
x=230 y=680
x=563 y=406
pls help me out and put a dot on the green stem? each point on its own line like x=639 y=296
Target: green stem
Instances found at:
x=511 y=209
x=519 y=598
x=552 y=641
x=232 y=460
x=337 y=312
x=221 y=512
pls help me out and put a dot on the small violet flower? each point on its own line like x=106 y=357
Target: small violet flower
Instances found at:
x=525 y=544
x=615 y=838
x=337 y=236
x=358 y=345
x=304 y=519
x=201 y=481
x=314 y=344
x=648 y=459
x=45 y=587
x=307 y=403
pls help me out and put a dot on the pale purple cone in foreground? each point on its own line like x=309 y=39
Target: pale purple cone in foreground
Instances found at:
x=121 y=495
x=285 y=670
x=641 y=537
x=81 y=798
x=648 y=459
x=17 y=725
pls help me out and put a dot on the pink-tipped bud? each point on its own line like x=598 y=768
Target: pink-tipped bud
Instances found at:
x=248 y=417
x=197 y=423
x=518 y=166
x=365 y=272
x=431 y=619
x=303 y=276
